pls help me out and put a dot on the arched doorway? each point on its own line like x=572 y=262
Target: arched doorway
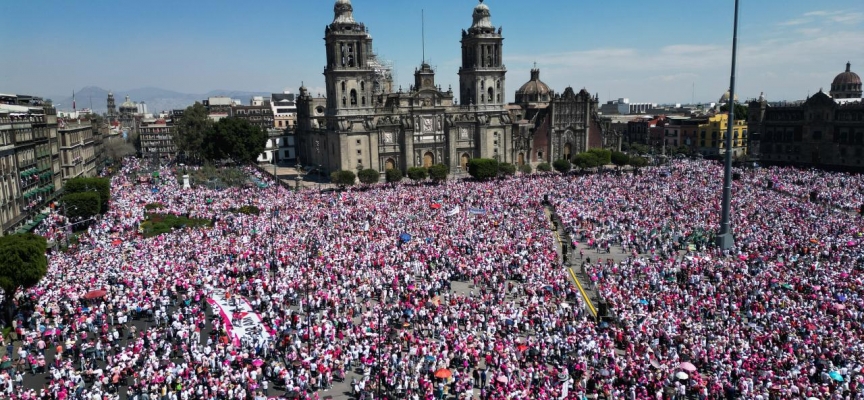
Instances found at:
x=389 y=164
x=521 y=159
x=428 y=159
x=566 y=154
x=464 y=161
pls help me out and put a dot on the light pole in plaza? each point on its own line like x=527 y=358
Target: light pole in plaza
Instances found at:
x=725 y=239
x=299 y=177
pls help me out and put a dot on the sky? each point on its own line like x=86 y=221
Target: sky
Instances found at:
x=660 y=51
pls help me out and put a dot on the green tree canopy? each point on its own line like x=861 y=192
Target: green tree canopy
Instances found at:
x=639 y=148
x=506 y=169
x=81 y=205
x=544 y=167
x=343 y=177
x=638 y=162
x=604 y=157
x=483 y=168
x=117 y=148
x=417 y=173
x=586 y=160
x=235 y=139
x=438 y=172
x=22 y=265
x=102 y=186
x=620 y=159
x=741 y=111
x=393 y=175
x=191 y=129
x=525 y=168
x=562 y=165
x=368 y=176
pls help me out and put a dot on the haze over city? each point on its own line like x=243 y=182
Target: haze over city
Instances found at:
x=661 y=51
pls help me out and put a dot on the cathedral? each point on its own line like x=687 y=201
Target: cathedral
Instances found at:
x=362 y=122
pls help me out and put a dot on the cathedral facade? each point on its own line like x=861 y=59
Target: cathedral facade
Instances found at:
x=362 y=122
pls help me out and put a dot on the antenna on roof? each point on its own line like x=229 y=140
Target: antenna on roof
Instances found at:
x=423 y=32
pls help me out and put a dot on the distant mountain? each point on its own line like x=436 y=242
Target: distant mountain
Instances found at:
x=156 y=99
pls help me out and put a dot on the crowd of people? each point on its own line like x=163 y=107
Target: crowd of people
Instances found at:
x=454 y=290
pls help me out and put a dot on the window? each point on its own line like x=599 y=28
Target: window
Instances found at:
x=362 y=86
x=358 y=142
x=343 y=86
x=817 y=135
x=359 y=152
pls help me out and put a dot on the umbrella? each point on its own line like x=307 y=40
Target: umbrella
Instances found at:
x=292 y=395
x=686 y=366
x=840 y=297
x=563 y=377
x=116 y=242
x=95 y=294
x=430 y=358
x=435 y=206
x=681 y=375
x=786 y=286
x=6 y=365
x=643 y=302
x=604 y=372
x=502 y=379
x=443 y=373
x=565 y=305
x=655 y=363
x=521 y=347
x=838 y=306
x=257 y=362
x=405 y=237
x=836 y=376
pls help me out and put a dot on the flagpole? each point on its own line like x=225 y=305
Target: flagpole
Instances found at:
x=726 y=239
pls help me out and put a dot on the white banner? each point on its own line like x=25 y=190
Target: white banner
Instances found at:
x=242 y=323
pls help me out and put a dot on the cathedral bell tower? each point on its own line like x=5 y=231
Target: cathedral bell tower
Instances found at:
x=348 y=75
x=481 y=76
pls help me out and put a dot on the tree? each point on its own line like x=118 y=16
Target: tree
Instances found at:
x=102 y=186
x=544 y=167
x=235 y=139
x=116 y=149
x=417 y=173
x=80 y=206
x=483 y=168
x=393 y=175
x=368 y=176
x=741 y=111
x=620 y=159
x=562 y=165
x=22 y=265
x=525 y=168
x=604 y=157
x=639 y=148
x=343 y=177
x=682 y=149
x=190 y=131
x=438 y=172
x=586 y=160
x=638 y=162
x=506 y=169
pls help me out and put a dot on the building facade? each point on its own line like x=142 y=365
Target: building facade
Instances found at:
x=549 y=126
x=157 y=139
x=28 y=132
x=712 y=136
x=823 y=131
x=363 y=123
x=78 y=152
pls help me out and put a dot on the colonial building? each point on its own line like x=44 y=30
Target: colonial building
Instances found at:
x=128 y=110
x=549 y=126
x=112 y=108
x=824 y=131
x=28 y=149
x=157 y=139
x=363 y=123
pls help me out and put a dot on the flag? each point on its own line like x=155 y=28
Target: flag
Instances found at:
x=454 y=211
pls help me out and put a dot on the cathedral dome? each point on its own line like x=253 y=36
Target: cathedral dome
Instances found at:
x=846 y=84
x=534 y=90
x=725 y=98
x=128 y=104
